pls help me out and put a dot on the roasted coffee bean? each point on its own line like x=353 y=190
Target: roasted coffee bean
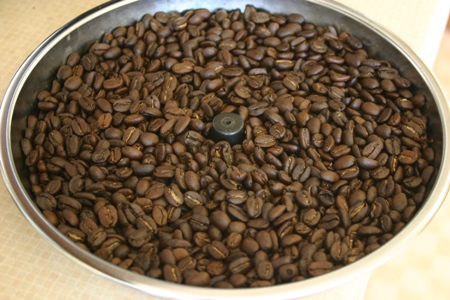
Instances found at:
x=311 y=217
x=237 y=212
x=340 y=151
x=344 y=162
x=264 y=240
x=192 y=199
x=408 y=157
x=288 y=271
x=220 y=219
x=138 y=237
x=199 y=222
x=108 y=216
x=265 y=270
x=192 y=181
x=159 y=214
x=74 y=234
x=131 y=135
x=46 y=201
x=240 y=265
x=338 y=251
x=368 y=163
x=265 y=141
x=254 y=206
x=334 y=163
x=320 y=268
x=218 y=250
x=172 y=273
x=329 y=176
x=173 y=195
x=198 y=279
x=372 y=150
x=182 y=68
x=234 y=240
x=164 y=172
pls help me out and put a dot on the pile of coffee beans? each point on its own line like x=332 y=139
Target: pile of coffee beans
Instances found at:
x=335 y=159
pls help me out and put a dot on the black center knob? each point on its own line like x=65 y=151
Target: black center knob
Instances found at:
x=228 y=127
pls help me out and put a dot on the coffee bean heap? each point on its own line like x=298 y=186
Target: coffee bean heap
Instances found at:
x=334 y=163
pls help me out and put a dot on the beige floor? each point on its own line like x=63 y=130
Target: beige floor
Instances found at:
x=422 y=270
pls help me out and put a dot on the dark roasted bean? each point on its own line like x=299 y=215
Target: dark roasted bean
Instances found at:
x=265 y=270
x=173 y=195
x=320 y=268
x=172 y=273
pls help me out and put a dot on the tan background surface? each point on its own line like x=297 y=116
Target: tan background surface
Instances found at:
x=30 y=268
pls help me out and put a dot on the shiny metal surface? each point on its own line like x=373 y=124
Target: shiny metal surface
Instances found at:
x=81 y=32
